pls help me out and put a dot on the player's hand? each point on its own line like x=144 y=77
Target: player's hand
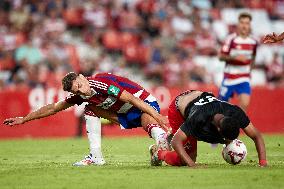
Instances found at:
x=14 y=121
x=241 y=58
x=262 y=163
x=271 y=38
x=163 y=122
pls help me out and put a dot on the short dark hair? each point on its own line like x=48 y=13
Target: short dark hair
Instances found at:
x=245 y=15
x=67 y=81
x=229 y=128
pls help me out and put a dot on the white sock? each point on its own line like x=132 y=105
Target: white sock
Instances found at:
x=157 y=133
x=93 y=127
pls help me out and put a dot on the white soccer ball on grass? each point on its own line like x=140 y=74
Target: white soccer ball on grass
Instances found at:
x=234 y=152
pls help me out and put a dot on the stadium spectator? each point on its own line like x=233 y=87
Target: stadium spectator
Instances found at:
x=129 y=21
x=95 y=15
x=173 y=71
x=206 y=43
x=54 y=25
x=154 y=68
x=192 y=72
x=181 y=24
x=19 y=16
x=71 y=35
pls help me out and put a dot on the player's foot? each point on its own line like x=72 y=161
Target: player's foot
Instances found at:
x=153 y=149
x=162 y=142
x=89 y=160
x=169 y=139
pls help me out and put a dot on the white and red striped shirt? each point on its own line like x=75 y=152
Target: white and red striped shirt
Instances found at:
x=235 y=71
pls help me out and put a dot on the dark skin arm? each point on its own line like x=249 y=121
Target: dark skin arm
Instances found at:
x=177 y=144
x=44 y=111
x=256 y=136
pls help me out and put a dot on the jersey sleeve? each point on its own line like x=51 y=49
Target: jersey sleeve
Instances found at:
x=226 y=47
x=74 y=99
x=107 y=87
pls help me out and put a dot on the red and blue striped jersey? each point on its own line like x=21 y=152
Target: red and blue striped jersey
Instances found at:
x=107 y=89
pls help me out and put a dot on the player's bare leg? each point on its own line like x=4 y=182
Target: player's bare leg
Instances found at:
x=244 y=100
x=151 y=126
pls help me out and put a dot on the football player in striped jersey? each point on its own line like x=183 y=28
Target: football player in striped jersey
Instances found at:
x=115 y=98
x=238 y=51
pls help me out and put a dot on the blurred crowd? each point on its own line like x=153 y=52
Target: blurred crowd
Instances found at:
x=170 y=42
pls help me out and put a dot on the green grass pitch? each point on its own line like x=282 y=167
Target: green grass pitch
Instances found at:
x=47 y=163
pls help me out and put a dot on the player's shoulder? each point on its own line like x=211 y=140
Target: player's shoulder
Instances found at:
x=250 y=40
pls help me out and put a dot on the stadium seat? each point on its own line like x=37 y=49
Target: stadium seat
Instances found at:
x=258 y=77
x=74 y=59
x=264 y=54
x=111 y=40
x=127 y=38
x=7 y=63
x=74 y=16
x=261 y=25
x=278 y=26
x=221 y=29
x=135 y=53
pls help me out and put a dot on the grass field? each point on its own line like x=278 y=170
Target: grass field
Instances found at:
x=47 y=164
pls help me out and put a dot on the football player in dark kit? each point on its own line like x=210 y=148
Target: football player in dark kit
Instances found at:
x=196 y=115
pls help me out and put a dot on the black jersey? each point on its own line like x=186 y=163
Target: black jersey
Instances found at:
x=199 y=116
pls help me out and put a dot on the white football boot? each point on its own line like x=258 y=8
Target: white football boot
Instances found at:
x=89 y=160
x=162 y=142
x=154 y=161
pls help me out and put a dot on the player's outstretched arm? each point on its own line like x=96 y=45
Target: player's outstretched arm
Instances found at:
x=273 y=38
x=177 y=144
x=256 y=136
x=143 y=106
x=44 y=111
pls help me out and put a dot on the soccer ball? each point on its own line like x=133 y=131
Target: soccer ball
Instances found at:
x=234 y=152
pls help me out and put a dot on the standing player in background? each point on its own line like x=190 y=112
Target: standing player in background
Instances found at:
x=238 y=52
x=109 y=96
x=273 y=38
